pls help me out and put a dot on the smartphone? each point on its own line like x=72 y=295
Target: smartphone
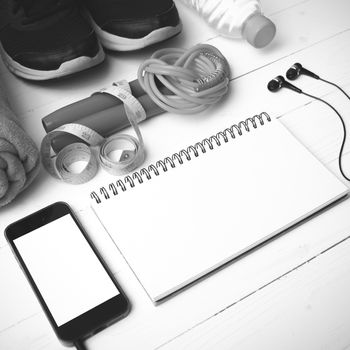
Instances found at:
x=71 y=281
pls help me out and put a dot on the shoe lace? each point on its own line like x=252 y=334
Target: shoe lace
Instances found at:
x=31 y=11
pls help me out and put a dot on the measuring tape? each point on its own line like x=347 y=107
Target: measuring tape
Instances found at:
x=59 y=165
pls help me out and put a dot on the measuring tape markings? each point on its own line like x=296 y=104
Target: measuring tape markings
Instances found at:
x=176 y=69
x=58 y=166
x=135 y=114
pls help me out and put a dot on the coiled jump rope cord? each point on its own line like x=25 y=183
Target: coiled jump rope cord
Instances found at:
x=194 y=79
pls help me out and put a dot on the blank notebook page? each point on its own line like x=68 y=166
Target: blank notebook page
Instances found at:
x=191 y=219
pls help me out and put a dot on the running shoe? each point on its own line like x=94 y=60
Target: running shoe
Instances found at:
x=125 y=25
x=45 y=39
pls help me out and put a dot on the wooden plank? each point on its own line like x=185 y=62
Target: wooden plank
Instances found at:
x=307 y=308
x=31 y=333
x=223 y=288
x=147 y=326
x=17 y=301
x=235 y=107
x=298 y=29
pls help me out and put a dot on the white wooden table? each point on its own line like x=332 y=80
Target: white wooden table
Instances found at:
x=290 y=294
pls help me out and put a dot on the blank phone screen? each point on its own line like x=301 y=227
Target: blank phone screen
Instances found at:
x=65 y=269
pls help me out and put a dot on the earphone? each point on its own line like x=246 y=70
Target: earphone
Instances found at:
x=293 y=73
x=279 y=82
x=297 y=69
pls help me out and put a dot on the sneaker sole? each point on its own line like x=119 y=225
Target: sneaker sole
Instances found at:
x=118 y=43
x=69 y=67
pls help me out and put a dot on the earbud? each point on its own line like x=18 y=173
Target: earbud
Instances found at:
x=297 y=69
x=293 y=72
x=279 y=82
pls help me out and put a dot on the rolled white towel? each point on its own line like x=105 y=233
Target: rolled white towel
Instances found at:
x=19 y=156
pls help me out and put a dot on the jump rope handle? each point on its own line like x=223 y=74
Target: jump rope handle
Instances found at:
x=98 y=112
x=200 y=75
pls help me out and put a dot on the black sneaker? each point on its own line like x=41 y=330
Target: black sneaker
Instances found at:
x=45 y=39
x=125 y=25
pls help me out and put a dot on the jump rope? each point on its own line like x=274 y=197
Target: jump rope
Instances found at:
x=195 y=79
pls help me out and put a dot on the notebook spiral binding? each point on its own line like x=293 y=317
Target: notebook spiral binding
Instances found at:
x=193 y=150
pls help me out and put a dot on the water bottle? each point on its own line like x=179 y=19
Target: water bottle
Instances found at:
x=236 y=19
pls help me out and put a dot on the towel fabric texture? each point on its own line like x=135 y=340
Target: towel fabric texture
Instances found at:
x=19 y=156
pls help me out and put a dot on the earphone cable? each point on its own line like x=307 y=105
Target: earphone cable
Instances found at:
x=335 y=85
x=79 y=345
x=343 y=124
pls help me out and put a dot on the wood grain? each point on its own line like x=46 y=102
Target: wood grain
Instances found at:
x=291 y=293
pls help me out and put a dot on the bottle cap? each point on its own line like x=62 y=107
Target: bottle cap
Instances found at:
x=258 y=30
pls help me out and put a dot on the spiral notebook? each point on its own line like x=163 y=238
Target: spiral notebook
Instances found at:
x=188 y=214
